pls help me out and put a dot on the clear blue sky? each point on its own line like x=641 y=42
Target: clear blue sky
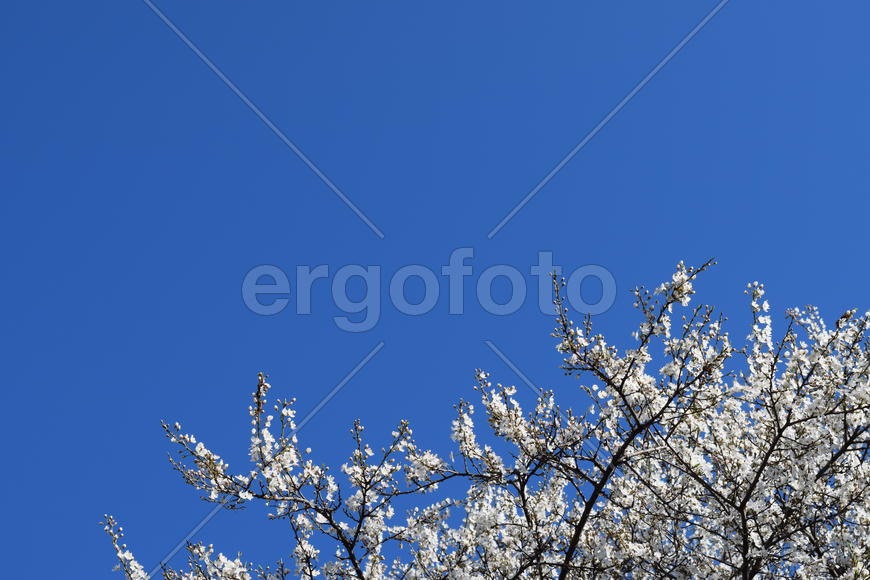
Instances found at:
x=137 y=191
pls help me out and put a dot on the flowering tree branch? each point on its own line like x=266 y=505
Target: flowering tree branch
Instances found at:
x=694 y=458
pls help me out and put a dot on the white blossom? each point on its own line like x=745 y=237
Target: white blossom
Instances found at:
x=696 y=459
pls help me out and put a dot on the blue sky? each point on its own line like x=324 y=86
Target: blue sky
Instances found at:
x=138 y=190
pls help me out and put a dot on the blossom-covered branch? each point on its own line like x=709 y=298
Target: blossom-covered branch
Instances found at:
x=693 y=457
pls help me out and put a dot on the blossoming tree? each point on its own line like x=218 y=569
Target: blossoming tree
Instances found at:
x=696 y=459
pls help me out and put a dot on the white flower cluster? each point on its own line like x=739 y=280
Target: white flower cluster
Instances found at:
x=724 y=462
